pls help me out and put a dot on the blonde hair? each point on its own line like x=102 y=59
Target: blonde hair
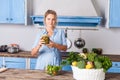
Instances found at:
x=51 y=12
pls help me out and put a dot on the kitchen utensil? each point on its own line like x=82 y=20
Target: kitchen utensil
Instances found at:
x=13 y=48
x=79 y=42
x=69 y=43
x=3 y=48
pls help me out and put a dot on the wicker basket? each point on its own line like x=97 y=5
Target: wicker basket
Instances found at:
x=88 y=74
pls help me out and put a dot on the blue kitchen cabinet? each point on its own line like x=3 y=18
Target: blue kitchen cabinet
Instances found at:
x=67 y=68
x=115 y=68
x=33 y=63
x=12 y=62
x=12 y=11
x=0 y=61
x=114 y=13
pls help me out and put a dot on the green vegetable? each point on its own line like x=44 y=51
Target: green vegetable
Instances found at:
x=97 y=64
x=107 y=63
x=99 y=61
x=91 y=56
x=52 y=69
x=81 y=64
x=72 y=56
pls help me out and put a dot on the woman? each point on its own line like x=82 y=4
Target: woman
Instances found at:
x=49 y=54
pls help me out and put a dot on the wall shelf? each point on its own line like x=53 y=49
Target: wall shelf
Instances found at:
x=72 y=21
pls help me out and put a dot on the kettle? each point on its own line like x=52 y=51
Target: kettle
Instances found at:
x=79 y=43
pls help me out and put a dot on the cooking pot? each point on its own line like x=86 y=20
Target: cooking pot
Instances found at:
x=79 y=43
x=13 y=48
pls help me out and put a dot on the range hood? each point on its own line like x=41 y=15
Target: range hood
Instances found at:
x=78 y=13
x=78 y=21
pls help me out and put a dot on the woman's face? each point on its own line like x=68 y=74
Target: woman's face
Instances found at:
x=50 y=20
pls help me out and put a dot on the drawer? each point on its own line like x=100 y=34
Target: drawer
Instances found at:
x=12 y=59
x=33 y=60
x=33 y=63
x=0 y=61
x=1 y=58
x=114 y=70
x=67 y=68
x=116 y=64
x=15 y=65
x=32 y=66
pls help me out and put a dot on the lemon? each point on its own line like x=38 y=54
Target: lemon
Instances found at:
x=89 y=66
x=74 y=63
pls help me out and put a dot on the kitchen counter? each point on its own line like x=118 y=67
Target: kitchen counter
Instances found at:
x=26 y=74
x=23 y=54
x=26 y=54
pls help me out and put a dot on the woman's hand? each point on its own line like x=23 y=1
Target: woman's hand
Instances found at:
x=41 y=42
x=56 y=45
x=51 y=44
x=36 y=49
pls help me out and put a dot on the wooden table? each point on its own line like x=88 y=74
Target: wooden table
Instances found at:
x=24 y=74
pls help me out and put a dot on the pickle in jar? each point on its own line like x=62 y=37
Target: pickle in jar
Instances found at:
x=46 y=39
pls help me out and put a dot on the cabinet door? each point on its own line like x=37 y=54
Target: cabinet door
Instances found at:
x=1 y=61
x=17 y=11
x=114 y=13
x=115 y=68
x=4 y=11
x=32 y=63
x=12 y=62
x=12 y=11
x=66 y=67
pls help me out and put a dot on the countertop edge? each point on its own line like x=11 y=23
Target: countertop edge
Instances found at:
x=27 y=54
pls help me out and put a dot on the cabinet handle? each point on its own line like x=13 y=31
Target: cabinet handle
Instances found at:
x=116 y=64
x=7 y=18
x=11 y=19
